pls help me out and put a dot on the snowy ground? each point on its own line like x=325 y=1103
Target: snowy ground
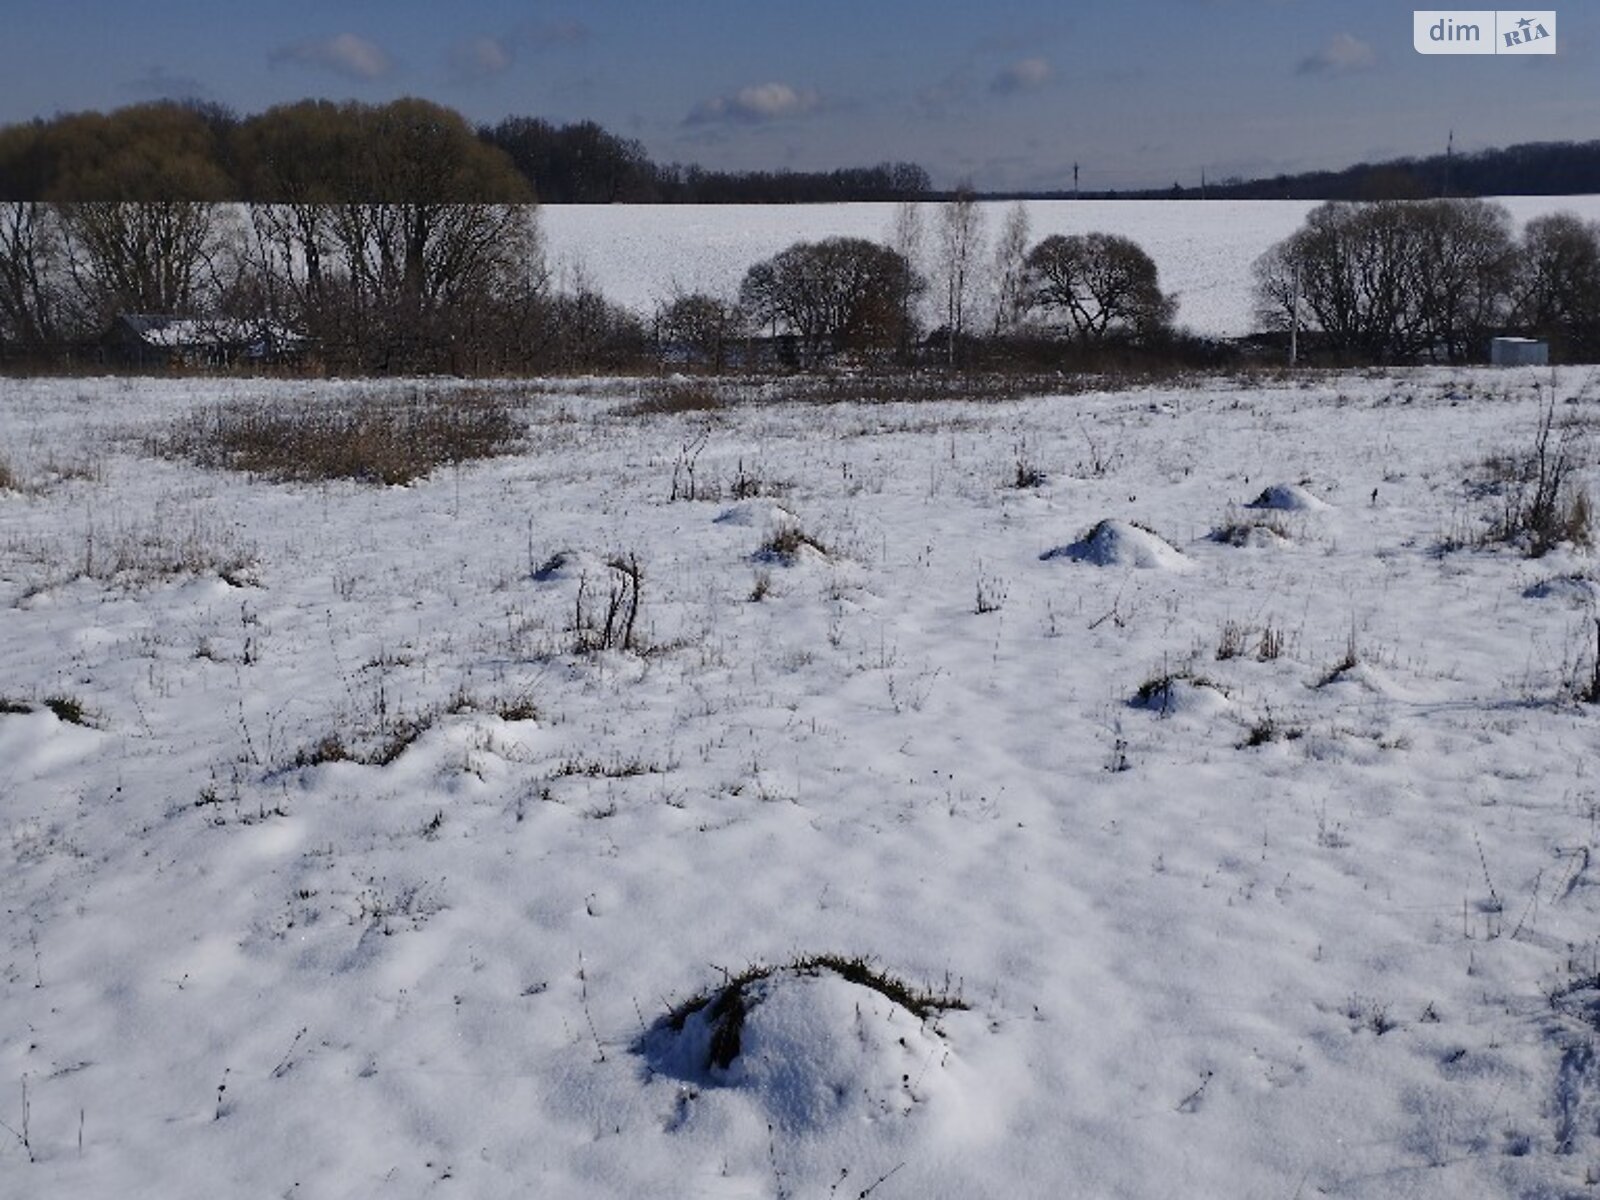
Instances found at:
x=1315 y=924
x=641 y=255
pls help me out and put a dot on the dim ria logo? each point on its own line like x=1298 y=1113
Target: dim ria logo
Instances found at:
x=1483 y=31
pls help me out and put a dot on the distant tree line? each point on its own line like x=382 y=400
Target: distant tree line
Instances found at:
x=209 y=152
x=1529 y=169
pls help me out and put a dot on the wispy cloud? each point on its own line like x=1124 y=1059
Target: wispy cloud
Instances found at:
x=486 y=57
x=482 y=58
x=345 y=54
x=550 y=34
x=1343 y=54
x=755 y=105
x=1025 y=75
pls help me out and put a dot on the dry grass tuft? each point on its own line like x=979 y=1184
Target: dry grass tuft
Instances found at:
x=387 y=439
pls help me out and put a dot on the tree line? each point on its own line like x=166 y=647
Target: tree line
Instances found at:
x=394 y=238
x=202 y=151
x=1393 y=281
x=1527 y=169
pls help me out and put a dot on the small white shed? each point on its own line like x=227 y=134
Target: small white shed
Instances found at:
x=1519 y=352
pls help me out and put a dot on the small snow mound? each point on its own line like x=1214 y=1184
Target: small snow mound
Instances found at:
x=1580 y=591
x=1114 y=543
x=1288 y=497
x=1249 y=536
x=750 y=513
x=809 y=1046
x=570 y=564
x=1368 y=678
x=1181 y=695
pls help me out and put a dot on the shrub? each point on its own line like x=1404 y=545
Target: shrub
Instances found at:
x=386 y=439
x=1543 y=506
x=613 y=624
x=668 y=399
x=785 y=543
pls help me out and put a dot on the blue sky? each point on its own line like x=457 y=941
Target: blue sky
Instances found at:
x=1007 y=92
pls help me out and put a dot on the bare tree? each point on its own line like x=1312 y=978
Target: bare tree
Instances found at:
x=31 y=270
x=1389 y=280
x=1010 y=270
x=906 y=237
x=1557 y=286
x=834 y=294
x=700 y=327
x=1463 y=274
x=1098 y=285
x=150 y=256
x=960 y=247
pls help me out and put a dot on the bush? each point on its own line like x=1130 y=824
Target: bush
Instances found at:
x=386 y=439
x=1543 y=506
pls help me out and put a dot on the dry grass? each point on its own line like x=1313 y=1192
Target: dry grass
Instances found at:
x=785 y=543
x=667 y=399
x=1542 y=504
x=383 y=439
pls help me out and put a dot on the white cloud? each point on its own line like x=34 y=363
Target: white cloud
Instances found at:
x=755 y=105
x=345 y=54
x=1343 y=53
x=1027 y=75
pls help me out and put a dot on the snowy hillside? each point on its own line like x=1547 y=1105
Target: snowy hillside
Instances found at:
x=1215 y=817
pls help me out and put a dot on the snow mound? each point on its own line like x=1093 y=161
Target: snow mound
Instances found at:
x=1579 y=591
x=809 y=1046
x=1288 y=497
x=1367 y=677
x=750 y=513
x=566 y=565
x=1253 y=537
x=1181 y=695
x=1114 y=543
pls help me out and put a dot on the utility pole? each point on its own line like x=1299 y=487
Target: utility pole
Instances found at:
x=1449 y=160
x=1074 y=181
x=1294 y=319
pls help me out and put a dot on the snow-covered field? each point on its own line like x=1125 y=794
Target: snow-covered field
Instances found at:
x=642 y=255
x=1263 y=869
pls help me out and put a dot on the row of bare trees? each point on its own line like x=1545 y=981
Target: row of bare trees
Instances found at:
x=1083 y=290
x=1395 y=281
x=391 y=238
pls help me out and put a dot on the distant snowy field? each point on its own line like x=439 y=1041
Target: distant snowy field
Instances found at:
x=642 y=255
x=1266 y=869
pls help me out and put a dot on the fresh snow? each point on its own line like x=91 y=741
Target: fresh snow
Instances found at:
x=1286 y=926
